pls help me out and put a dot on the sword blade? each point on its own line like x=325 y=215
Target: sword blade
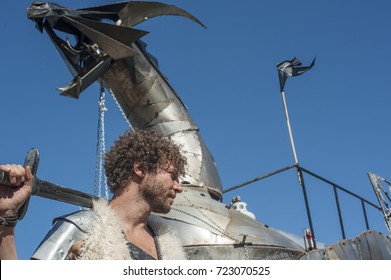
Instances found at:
x=54 y=191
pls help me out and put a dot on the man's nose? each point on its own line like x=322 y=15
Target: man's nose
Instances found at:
x=177 y=187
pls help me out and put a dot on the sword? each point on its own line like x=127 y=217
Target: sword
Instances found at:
x=47 y=189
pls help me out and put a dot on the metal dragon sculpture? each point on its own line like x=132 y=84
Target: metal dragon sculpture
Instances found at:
x=113 y=54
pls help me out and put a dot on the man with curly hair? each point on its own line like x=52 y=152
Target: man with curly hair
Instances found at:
x=142 y=170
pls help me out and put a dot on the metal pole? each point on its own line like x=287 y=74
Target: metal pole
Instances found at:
x=365 y=214
x=299 y=172
x=289 y=127
x=288 y=123
x=259 y=178
x=339 y=212
x=307 y=205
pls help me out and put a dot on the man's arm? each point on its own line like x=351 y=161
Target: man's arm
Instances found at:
x=11 y=200
x=7 y=243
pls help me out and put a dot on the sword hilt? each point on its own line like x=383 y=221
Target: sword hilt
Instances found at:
x=32 y=160
x=4 y=180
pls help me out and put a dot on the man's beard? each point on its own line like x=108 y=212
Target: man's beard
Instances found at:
x=155 y=195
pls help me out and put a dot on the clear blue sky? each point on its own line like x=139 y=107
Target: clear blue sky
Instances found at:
x=227 y=77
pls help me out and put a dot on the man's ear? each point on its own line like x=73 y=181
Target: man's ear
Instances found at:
x=138 y=171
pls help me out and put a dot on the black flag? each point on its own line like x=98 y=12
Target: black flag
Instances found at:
x=291 y=68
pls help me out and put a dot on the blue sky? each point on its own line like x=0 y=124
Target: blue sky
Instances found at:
x=227 y=77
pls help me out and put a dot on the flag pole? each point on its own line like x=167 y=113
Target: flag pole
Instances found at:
x=289 y=127
x=299 y=171
x=286 y=69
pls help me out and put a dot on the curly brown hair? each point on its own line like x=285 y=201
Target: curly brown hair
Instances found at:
x=148 y=148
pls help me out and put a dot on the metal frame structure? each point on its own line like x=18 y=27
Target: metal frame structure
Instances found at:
x=334 y=186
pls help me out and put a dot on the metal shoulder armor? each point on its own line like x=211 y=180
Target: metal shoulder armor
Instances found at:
x=65 y=232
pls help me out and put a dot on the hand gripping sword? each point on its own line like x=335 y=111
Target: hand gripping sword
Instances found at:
x=47 y=189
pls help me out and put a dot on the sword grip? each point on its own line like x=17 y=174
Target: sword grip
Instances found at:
x=4 y=180
x=32 y=160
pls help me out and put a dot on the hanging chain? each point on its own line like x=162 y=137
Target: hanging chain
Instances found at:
x=100 y=147
x=213 y=225
x=100 y=178
x=122 y=111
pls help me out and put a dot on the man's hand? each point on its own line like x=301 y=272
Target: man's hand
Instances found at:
x=12 y=198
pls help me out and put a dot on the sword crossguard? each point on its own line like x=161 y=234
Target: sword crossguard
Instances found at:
x=31 y=160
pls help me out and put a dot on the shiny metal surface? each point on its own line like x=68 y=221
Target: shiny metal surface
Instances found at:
x=207 y=228
x=375 y=246
x=65 y=232
x=370 y=245
x=220 y=252
x=150 y=102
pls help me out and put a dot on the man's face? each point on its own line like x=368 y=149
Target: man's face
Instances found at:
x=160 y=189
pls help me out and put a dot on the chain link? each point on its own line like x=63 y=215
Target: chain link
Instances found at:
x=101 y=142
x=100 y=147
x=122 y=111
